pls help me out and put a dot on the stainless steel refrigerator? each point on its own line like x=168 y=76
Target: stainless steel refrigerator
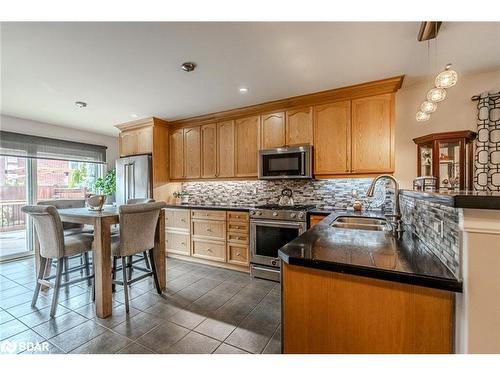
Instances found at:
x=133 y=178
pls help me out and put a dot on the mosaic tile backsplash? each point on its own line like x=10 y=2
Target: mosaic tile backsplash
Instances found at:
x=336 y=193
x=422 y=217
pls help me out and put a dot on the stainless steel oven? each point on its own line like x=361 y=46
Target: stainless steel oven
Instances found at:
x=285 y=162
x=269 y=231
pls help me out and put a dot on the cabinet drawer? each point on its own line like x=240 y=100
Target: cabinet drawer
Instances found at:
x=210 y=229
x=237 y=216
x=239 y=227
x=208 y=214
x=237 y=254
x=241 y=238
x=177 y=219
x=212 y=250
x=178 y=243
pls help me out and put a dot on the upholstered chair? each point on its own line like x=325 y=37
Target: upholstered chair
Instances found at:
x=54 y=245
x=137 y=235
x=138 y=257
x=71 y=228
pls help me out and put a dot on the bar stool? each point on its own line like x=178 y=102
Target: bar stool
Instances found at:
x=54 y=245
x=137 y=235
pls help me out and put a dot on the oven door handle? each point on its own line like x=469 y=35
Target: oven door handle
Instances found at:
x=303 y=163
x=278 y=223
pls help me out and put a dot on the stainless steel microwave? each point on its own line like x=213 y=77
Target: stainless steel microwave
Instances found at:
x=286 y=162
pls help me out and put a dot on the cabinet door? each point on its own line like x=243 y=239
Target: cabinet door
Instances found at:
x=332 y=138
x=372 y=134
x=176 y=145
x=192 y=155
x=299 y=126
x=247 y=145
x=128 y=143
x=273 y=130
x=209 y=151
x=145 y=140
x=225 y=149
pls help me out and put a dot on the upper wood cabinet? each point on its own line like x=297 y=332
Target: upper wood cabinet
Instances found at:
x=246 y=146
x=176 y=146
x=373 y=134
x=273 y=130
x=209 y=151
x=299 y=126
x=192 y=152
x=332 y=148
x=225 y=149
x=136 y=141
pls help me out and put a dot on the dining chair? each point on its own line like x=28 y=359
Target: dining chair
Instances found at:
x=55 y=245
x=139 y=257
x=137 y=235
x=71 y=228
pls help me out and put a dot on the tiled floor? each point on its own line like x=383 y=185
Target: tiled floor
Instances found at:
x=204 y=310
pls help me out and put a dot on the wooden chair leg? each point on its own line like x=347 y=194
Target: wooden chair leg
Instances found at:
x=153 y=268
x=125 y=282
x=57 y=286
x=40 y=274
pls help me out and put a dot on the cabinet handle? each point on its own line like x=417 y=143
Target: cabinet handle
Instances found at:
x=209 y=249
x=183 y=220
x=237 y=227
x=183 y=243
x=238 y=238
x=209 y=230
x=237 y=216
x=238 y=254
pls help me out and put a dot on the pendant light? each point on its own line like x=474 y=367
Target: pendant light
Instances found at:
x=436 y=95
x=428 y=107
x=422 y=116
x=447 y=78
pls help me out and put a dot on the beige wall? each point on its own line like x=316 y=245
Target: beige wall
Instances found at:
x=42 y=129
x=457 y=112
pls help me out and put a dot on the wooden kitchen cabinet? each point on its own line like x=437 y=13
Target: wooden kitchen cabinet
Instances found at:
x=136 y=141
x=209 y=151
x=225 y=149
x=315 y=219
x=373 y=134
x=299 y=126
x=332 y=138
x=273 y=130
x=246 y=146
x=326 y=312
x=176 y=143
x=192 y=152
x=177 y=231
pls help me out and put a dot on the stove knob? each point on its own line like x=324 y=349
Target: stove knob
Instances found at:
x=301 y=215
x=252 y=213
x=293 y=214
x=259 y=213
x=275 y=213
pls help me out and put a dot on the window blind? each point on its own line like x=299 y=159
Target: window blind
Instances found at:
x=31 y=146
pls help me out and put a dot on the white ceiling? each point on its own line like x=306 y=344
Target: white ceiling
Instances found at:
x=125 y=68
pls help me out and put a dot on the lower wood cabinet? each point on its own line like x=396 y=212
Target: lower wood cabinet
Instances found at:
x=178 y=242
x=315 y=219
x=207 y=249
x=215 y=237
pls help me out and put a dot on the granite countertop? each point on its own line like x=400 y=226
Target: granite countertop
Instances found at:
x=227 y=207
x=368 y=253
x=489 y=200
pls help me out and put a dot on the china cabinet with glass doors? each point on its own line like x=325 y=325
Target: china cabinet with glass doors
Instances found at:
x=448 y=157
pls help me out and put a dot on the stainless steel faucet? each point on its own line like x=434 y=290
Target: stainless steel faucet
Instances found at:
x=394 y=218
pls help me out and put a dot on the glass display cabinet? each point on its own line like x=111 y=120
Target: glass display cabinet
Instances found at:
x=448 y=157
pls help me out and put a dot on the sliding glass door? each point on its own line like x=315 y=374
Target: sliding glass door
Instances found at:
x=27 y=181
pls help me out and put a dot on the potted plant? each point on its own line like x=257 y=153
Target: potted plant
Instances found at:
x=105 y=187
x=183 y=196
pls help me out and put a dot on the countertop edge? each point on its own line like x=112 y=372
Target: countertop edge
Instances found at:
x=374 y=273
x=208 y=207
x=457 y=199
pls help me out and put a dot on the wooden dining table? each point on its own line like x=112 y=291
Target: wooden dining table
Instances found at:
x=101 y=221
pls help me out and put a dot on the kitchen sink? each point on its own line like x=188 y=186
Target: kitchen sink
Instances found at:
x=363 y=223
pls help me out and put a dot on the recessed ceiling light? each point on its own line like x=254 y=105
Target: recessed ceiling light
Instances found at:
x=80 y=104
x=134 y=115
x=243 y=90
x=188 y=66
